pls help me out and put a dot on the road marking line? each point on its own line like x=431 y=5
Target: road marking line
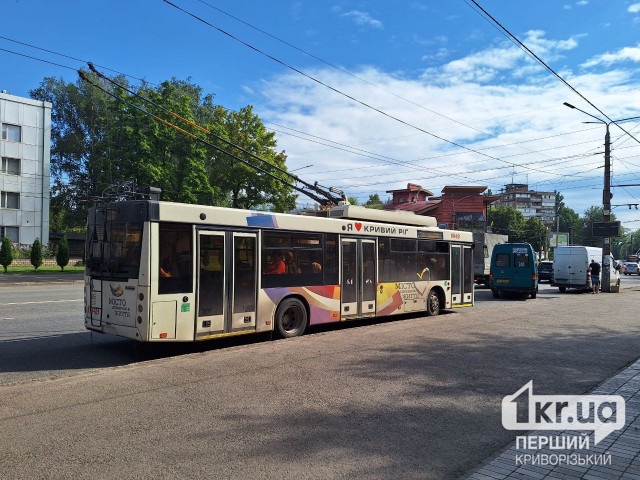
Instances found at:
x=44 y=301
x=30 y=338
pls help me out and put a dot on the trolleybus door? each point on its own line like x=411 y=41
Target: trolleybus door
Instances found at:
x=212 y=285
x=368 y=285
x=456 y=275
x=467 y=275
x=358 y=287
x=244 y=283
x=227 y=282
x=461 y=275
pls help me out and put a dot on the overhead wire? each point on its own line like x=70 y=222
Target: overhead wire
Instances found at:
x=77 y=59
x=339 y=92
x=547 y=67
x=67 y=56
x=74 y=58
x=312 y=194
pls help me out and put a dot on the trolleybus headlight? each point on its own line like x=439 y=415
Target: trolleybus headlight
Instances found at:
x=140 y=308
x=139 y=319
x=141 y=296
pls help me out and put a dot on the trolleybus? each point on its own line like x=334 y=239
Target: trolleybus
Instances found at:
x=169 y=272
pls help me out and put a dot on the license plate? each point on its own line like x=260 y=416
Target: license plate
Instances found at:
x=503 y=280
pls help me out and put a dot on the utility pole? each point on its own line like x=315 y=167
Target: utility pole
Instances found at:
x=606 y=192
x=606 y=210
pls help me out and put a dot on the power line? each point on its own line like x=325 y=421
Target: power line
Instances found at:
x=38 y=59
x=547 y=67
x=350 y=97
x=65 y=56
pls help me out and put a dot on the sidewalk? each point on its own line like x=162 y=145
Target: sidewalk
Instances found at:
x=622 y=445
x=12 y=280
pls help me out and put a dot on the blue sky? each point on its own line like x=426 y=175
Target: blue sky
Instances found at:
x=438 y=66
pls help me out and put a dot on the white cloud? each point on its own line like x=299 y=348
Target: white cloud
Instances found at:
x=362 y=18
x=634 y=8
x=247 y=89
x=631 y=54
x=503 y=59
x=496 y=111
x=582 y=3
x=566 y=6
x=440 y=55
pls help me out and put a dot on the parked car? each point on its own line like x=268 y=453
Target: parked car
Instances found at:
x=513 y=269
x=632 y=269
x=545 y=271
x=571 y=268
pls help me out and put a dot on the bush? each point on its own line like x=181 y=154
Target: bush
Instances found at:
x=36 y=254
x=62 y=257
x=50 y=251
x=6 y=253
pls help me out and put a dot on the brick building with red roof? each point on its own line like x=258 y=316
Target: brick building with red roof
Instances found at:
x=458 y=207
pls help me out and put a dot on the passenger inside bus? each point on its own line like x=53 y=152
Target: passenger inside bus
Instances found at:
x=277 y=266
x=291 y=265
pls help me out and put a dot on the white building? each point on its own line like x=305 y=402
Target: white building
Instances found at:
x=530 y=203
x=25 y=144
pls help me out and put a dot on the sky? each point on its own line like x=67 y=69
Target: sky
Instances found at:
x=450 y=100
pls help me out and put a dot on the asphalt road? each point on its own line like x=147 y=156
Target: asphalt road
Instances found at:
x=409 y=398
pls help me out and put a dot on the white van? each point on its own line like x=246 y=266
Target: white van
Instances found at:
x=571 y=268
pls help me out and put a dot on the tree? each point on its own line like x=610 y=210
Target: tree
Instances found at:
x=507 y=221
x=374 y=202
x=36 y=254
x=240 y=184
x=535 y=233
x=353 y=200
x=97 y=140
x=62 y=256
x=591 y=215
x=6 y=253
x=569 y=220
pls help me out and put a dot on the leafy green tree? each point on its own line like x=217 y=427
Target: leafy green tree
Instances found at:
x=36 y=254
x=353 y=200
x=535 y=233
x=507 y=221
x=242 y=186
x=6 y=253
x=97 y=141
x=591 y=215
x=62 y=256
x=374 y=202
x=570 y=222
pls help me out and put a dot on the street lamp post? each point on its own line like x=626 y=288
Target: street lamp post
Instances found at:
x=606 y=192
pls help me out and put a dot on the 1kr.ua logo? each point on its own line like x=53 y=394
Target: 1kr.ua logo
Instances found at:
x=601 y=414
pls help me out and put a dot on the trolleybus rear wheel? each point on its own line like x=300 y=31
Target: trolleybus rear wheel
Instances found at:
x=433 y=303
x=291 y=318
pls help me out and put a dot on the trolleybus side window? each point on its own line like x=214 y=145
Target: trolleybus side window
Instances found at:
x=176 y=258
x=330 y=259
x=433 y=260
x=292 y=259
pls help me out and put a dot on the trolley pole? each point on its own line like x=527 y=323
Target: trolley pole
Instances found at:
x=606 y=210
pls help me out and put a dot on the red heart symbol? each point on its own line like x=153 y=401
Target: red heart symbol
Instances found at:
x=358 y=226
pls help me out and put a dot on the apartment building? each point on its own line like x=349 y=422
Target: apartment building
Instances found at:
x=530 y=203
x=25 y=144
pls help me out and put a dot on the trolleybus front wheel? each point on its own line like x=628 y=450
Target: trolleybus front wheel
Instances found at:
x=291 y=318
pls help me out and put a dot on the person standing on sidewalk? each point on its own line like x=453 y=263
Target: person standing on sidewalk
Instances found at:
x=595 y=275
